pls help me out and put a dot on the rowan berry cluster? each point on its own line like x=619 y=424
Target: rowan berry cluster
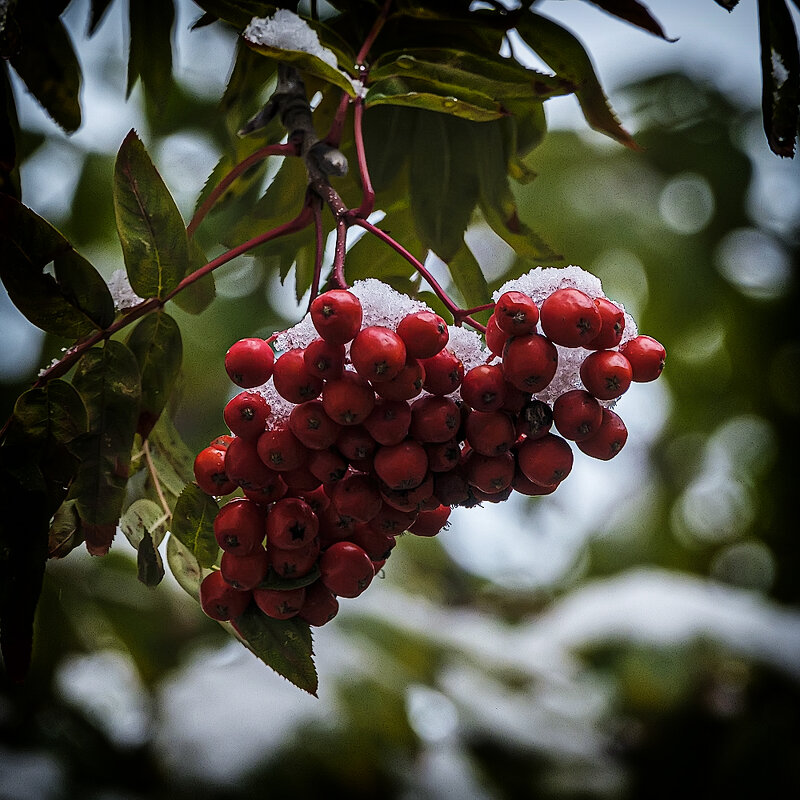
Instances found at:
x=377 y=418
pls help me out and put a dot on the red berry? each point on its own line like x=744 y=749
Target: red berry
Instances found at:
x=300 y=480
x=348 y=400
x=312 y=426
x=356 y=444
x=377 y=353
x=245 y=572
x=606 y=374
x=577 y=415
x=608 y=439
x=515 y=400
x=525 y=486
x=320 y=605
x=324 y=359
x=530 y=362
x=280 y=603
x=376 y=545
x=443 y=456
x=292 y=379
x=434 y=419
x=414 y=499
x=267 y=493
x=401 y=466
x=391 y=521
x=246 y=414
x=424 y=333
x=210 y=474
x=327 y=465
x=247 y=470
x=249 y=362
x=221 y=442
x=429 y=523
x=484 y=388
x=570 y=318
x=646 y=357
x=294 y=563
x=219 y=600
x=490 y=474
x=490 y=432
x=612 y=325
x=336 y=315
x=281 y=450
x=316 y=498
x=534 y=420
x=239 y=526
x=516 y=313
x=546 y=461
x=406 y=385
x=357 y=496
x=345 y=569
x=443 y=372
x=389 y=421
x=291 y=523
x=334 y=526
x=451 y=488
x=495 y=336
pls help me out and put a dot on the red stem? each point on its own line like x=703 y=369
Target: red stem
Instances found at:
x=372 y=35
x=319 y=249
x=288 y=149
x=334 y=136
x=337 y=274
x=368 y=193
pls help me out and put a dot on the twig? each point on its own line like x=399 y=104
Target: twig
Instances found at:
x=151 y=468
x=368 y=193
x=337 y=275
x=319 y=250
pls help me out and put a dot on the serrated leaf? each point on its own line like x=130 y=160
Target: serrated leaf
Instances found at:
x=150 y=52
x=172 y=459
x=193 y=524
x=144 y=525
x=184 y=567
x=444 y=99
x=70 y=298
x=46 y=62
x=107 y=379
x=566 y=56
x=150 y=227
x=284 y=645
x=198 y=296
x=780 y=76
x=634 y=12
x=443 y=185
x=52 y=412
x=157 y=345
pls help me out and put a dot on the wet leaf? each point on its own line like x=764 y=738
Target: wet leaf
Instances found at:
x=193 y=524
x=184 y=567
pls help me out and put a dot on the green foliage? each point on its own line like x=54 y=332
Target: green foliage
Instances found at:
x=193 y=524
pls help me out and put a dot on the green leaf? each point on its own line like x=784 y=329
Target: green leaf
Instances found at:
x=184 y=567
x=144 y=525
x=237 y=12
x=52 y=412
x=443 y=98
x=780 y=76
x=443 y=184
x=243 y=94
x=47 y=63
x=283 y=645
x=387 y=130
x=9 y=132
x=150 y=227
x=65 y=531
x=150 y=52
x=70 y=299
x=172 y=459
x=197 y=296
x=157 y=345
x=150 y=567
x=275 y=581
x=108 y=381
x=634 y=12
x=565 y=55
x=193 y=524
x=468 y=277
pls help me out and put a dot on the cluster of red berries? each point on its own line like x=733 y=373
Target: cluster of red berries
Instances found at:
x=371 y=431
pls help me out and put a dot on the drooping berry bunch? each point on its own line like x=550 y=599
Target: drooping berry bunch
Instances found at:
x=377 y=418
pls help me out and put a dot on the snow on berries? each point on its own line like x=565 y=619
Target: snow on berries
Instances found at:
x=373 y=418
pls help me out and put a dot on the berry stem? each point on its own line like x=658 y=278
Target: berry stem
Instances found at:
x=368 y=193
x=337 y=276
x=319 y=251
x=334 y=136
x=287 y=149
x=151 y=468
x=373 y=33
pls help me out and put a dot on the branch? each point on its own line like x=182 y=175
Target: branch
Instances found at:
x=368 y=193
x=373 y=34
x=337 y=276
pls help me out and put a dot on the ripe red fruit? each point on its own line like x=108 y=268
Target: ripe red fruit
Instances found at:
x=345 y=569
x=246 y=469
x=281 y=450
x=389 y=421
x=534 y=420
x=546 y=461
x=451 y=488
x=291 y=523
x=401 y=466
x=443 y=456
x=391 y=521
x=608 y=439
x=377 y=353
x=349 y=399
x=245 y=572
x=249 y=362
x=516 y=313
x=221 y=442
x=300 y=480
x=210 y=474
x=484 y=388
x=530 y=362
x=434 y=419
x=246 y=414
x=606 y=374
x=424 y=333
x=327 y=465
x=495 y=336
x=527 y=487
x=376 y=545
x=429 y=523
x=646 y=357
x=239 y=526
x=320 y=605
x=312 y=426
x=406 y=385
x=570 y=318
x=292 y=379
x=219 y=600
x=280 y=603
x=355 y=443
x=443 y=372
x=316 y=498
x=577 y=414
x=612 y=325
x=324 y=359
x=336 y=315
x=490 y=432
x=490 y=474
x=294 y=563
x=357 y=496
x=415 y=499
x=267 y=493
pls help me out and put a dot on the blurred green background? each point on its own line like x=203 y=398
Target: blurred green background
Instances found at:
x=637 y=634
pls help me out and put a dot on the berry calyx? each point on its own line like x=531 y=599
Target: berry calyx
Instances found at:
x=516 y=314
x=570 y=318
x=377 y=353
x=606 y=374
